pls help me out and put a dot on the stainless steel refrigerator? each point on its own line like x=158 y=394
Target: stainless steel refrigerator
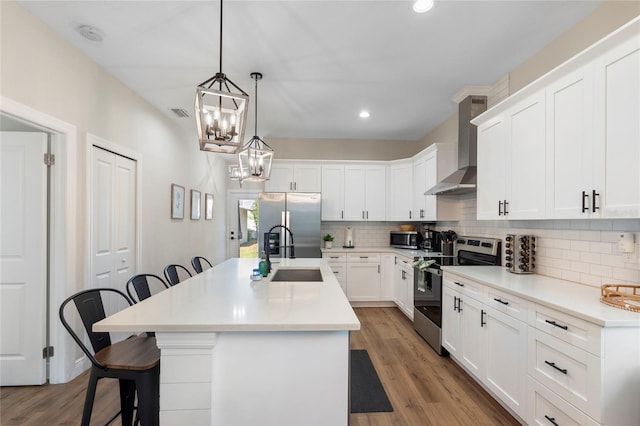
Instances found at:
x=300 y=212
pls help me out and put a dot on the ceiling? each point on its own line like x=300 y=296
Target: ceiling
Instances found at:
x=323 y=61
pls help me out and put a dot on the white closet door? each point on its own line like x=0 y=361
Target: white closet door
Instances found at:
x=113 y=221
x=23 y=215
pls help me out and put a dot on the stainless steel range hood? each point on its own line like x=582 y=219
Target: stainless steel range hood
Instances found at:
x=464 y=179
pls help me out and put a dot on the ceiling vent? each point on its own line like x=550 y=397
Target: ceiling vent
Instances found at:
x=180 y=112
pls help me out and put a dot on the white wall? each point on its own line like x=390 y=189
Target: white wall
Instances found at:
x=42 y=71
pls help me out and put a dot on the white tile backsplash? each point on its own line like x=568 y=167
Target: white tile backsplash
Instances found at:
x=584 y=251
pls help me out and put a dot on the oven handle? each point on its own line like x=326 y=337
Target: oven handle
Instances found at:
x=433 y=271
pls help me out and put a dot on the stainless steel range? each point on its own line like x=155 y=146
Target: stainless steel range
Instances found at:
x=427 y=283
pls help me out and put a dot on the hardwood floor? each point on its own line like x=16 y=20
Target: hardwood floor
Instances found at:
x=424 y=388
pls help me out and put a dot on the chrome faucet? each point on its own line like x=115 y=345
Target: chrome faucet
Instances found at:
x=268 y=247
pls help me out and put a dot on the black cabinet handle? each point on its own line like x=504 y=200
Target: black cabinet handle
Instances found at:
x=553 y=364
x=506 y=203
x=459 y=304
x=501 y=301
x=456 y=282
x=564 y=327
x=455 y=303
x=584 y=198
x=499 y=207
x=552 y=420
x=482 y=321
x=593 y=201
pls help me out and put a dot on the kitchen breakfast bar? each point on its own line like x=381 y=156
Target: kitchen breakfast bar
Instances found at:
x=237 y=352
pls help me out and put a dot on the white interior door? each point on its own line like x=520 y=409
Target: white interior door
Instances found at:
x=113 y=220
x=23 y=248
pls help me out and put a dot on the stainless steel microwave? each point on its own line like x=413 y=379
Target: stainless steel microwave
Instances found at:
x=406 y=239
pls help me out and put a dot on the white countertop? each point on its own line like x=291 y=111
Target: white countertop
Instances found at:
x=580 y=300
x=400 y=252
x=224 y=298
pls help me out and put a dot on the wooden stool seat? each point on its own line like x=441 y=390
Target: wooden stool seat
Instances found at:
x=136 y=353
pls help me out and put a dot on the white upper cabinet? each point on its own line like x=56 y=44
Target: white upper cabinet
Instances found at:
x=439 y=161
x=525 y=172
x=617 y=132
x=569 y=142
x=400 y=199
x=364 y=192
x=511 y=162
x=294 y=177
x=354 y=192
x=332 y=192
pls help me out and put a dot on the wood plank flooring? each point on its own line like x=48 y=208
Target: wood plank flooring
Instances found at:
x=424 y=388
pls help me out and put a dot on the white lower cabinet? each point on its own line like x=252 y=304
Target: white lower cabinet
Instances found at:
x=506 y=362
x=490 y=344
x=403 y=285
x=546 y=366
x=545 y=408
x=338 y=263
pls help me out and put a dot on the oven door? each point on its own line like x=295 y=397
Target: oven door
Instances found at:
x=427 y=293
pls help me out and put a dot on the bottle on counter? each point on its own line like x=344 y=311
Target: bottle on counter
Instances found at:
x=264 y=267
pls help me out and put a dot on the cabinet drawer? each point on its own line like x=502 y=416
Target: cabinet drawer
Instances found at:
x=567 y=370
x=363 y=257
x=506 y=303
x=335 y=257
x=467 y=287
x=547 y=408
x=565 y=327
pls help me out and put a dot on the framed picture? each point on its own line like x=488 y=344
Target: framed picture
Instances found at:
x=195 y=204
x=208 y=206
x=177 y=201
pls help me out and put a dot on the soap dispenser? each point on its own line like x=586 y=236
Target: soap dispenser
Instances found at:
x=263 y=265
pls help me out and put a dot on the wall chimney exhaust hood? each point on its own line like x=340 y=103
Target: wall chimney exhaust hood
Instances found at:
x=463 y=180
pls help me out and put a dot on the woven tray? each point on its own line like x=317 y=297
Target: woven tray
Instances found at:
x=623 y=296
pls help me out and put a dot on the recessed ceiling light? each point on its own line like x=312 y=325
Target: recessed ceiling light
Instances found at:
x=364 y=114
x=422 y=6
x=90 y=33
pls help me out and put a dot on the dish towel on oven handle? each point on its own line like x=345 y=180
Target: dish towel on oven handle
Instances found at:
x=422 y=266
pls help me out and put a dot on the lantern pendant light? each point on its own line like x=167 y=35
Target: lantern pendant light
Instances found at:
x=256 y=156
x=220 y=114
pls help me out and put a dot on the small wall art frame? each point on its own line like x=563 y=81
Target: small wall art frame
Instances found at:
x=208 y=206
x=195 y=204
x=177 y=201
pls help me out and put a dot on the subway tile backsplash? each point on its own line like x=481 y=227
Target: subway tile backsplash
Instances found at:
x=584 y=251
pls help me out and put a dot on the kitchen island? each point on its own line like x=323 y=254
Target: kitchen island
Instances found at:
x=242 y=352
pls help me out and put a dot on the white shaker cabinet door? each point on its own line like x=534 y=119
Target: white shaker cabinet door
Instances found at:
x=492 y=158
x=526 y=159
x=332 y=192
x=570 y=145
x=375 y=193
x=617 y=128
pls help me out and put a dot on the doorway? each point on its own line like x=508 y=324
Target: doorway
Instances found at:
x=242 y=224
x=61 y=253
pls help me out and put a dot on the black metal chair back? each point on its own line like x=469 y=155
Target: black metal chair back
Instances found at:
x=135 y=361
x=171 y=273
x=197 y=263
x=139 y=286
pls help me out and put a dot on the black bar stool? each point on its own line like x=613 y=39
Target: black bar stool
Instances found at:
x=197 y=263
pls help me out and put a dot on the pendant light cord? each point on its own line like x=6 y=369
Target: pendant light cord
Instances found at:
x=220 y=42
x=256 y=110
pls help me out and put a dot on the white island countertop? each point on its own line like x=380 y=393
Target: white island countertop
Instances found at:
x=224 y=298
x=580 y=300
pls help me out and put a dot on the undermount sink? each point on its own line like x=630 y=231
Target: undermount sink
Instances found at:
x=297 y=274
